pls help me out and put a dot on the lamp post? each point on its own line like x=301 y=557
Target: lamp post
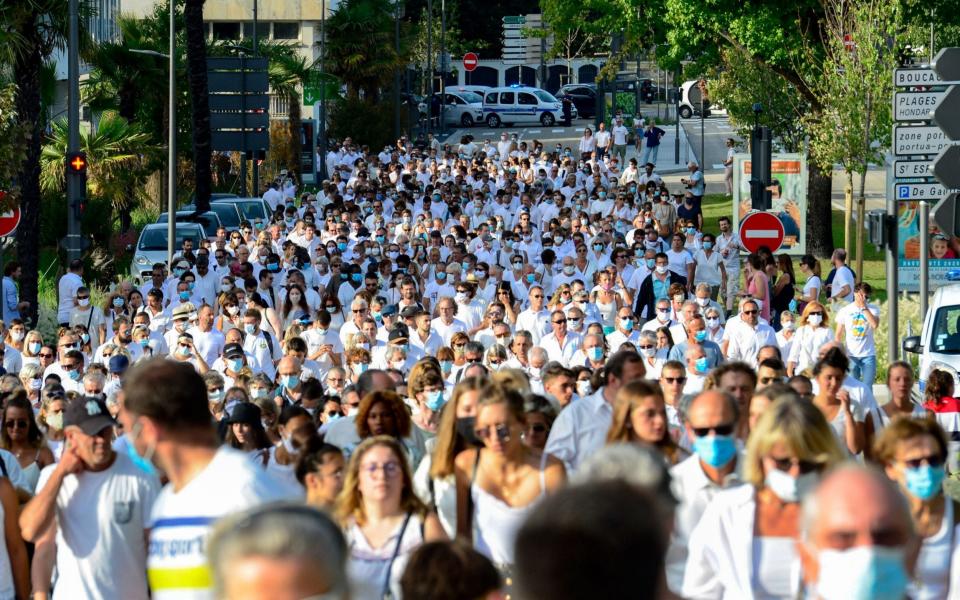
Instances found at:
x=73 y=131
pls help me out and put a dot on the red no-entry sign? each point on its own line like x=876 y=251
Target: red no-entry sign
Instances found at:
x=9 y=221
x=470 y=61
x=761 y=229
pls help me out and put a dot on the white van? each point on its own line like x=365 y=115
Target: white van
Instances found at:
x=939 y=341
x=518 y=104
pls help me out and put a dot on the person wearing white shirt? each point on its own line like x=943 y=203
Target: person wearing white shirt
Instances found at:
x=581 y=428
x=620 y=133
x=446 y=325
x=67 y=290
x=856 y=324
x=744 y=339
x=207 y=340
x=264 y=347
x=811 y=335
x=624 y=333
x=711 y=421
x=535 y=319
x=729 y=247
x=602 y=140
x=560 y=343
x=841 y=288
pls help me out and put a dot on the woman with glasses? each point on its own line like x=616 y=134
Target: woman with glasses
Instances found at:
x=331 y=304
x=845 y=415
x=499 y=483
x=382 y=517
x=434 y=479
x=813 y=331
x=495 y=357
x=745 y=544
x=640 y=417
x=52 y=404
x=22 y=437
x=231 y=315
x=653 y=358
x=913 y=453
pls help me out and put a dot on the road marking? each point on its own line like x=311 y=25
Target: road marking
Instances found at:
x=762 y=234
x=533 y=131
x=579 y=128
x=556 y=130
x=718 y=166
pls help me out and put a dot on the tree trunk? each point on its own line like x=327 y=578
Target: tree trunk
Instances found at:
x=26 y=73
x=819 y=211
x=197 y=76
x=293 y=123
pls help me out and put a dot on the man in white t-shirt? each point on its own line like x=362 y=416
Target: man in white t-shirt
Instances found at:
x=856 y=324
x=620 y=134
x=841 y=288
x=67 y=290
x=96 y=503
x=602 y=137
x=168 y=423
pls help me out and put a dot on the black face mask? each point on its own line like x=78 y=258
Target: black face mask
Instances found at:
x=465 y=427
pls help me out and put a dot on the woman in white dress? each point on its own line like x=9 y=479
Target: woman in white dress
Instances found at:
x=382 y=517
x=745 y=544
x=499 y=483
x=914 y=454
x=813 y=331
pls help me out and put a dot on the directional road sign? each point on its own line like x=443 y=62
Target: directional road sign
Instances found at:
x=920 y=191
x=945 y=215
x=946 y=64
x=518 y=20
x=915 y=106
x=946 y=167
x=912 y=169
x=916 y=140
x=908 y=77
x=761 y=229
x=947 y=113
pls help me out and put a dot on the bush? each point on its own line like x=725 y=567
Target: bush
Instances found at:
x=364 y=121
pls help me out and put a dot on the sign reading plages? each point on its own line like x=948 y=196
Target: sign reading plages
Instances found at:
x=789 y=192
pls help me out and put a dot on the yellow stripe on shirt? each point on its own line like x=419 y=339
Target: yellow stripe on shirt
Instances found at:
x=183 y=578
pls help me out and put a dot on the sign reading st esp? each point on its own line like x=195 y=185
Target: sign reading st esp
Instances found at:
x=910 y=169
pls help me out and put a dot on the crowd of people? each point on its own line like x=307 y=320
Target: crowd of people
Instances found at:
x=473 y=371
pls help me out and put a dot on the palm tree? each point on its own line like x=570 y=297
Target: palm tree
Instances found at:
x=360 y=46
x=118 y=153
x=197 y=76
x=288 y=70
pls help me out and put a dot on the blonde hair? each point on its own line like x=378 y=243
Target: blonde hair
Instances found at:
x=810 y=307
x=350 y=502
x=799 y=425
x=631 y=397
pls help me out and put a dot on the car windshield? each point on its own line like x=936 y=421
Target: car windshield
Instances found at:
x=156 y=239
x=227 y=213
x=471 y=98
x=945 y=338
x=252 y=210
x=545 y=96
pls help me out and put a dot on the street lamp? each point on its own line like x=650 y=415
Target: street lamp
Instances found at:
x=171 y=132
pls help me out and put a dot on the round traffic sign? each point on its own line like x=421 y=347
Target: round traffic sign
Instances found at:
x=470 y=61
x=761 y=229
x=9 y=221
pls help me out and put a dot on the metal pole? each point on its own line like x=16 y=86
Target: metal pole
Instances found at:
x=172 y=136
x=676 y=140
x=543 y=52
x=443 y=66
x=893 y=299
x=253 y=163
x=924 y=253
x=74 y=181
x=396 y=72
x=243 y=125
x=429 y=66
x=323 y=93
x=703 y=158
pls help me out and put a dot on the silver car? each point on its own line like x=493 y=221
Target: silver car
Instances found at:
x=152 y=246
x=463 y=108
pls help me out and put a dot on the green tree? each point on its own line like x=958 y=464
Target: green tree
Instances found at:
x=360 y=46
x=287 y=73
x=118 y=153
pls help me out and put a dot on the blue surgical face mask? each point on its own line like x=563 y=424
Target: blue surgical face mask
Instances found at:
x=434 y=400
x=250 y=328
x=626 y=324
x=924 y=482
x=342 y=246
x=118 y=302
x=74 y=374
x=651 y=263
x=236 y=364
x=700 y=335
x=141 y=462
x=144 y=342
x=446 y=366
x=290 y=381
x=595 y=353
x=702 y=366
x=357 y=277
x=715 y=450
x=184 y=296
x=707 y=245
x=531 y=278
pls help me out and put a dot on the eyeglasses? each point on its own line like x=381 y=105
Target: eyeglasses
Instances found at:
x=817 y=313
x=536 y=295
x=560 y=322
x=647 y=347
x=804 y=466
x=47 y=355
x=672 y=380
x=82 y=297
x=359 y=311
x=717 y=430
x=390 y=469
x=750 y=312
x=537 y=428
x=502 y=431
x=16 y=424
x=932 y=460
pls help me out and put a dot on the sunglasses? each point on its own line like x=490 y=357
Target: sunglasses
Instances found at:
x=16 y=424
x=933 y=461
x=537 y=428
x=672 y=380
x=818 y=313
x=805 y=466
x=48 y=355
x=501 y=431
x=750 y=312
x=717 y=430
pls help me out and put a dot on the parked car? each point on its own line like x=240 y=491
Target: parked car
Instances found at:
x=939 y=341
x=690 y=100
x=254 y=210
x=229 y=214
x=152 y=246
x=209 y=219
x=517 y=104
x=583 y=95
x=463 y=108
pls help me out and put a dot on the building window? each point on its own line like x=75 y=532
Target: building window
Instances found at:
x=226 y=31
x=263 y=30
x=286 y=31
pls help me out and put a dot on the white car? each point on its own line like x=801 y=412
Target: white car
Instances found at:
x=462 y=108
x=939 y=341
x=517 y=104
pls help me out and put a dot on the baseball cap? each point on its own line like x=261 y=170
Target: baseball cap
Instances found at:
x=118 y=363
x=245 y=412
x=89 y=414
x=233 y=351
x=399 y=332
x=389 y=310
x=409 y=312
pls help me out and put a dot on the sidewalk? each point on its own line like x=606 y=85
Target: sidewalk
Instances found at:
x=665 y=159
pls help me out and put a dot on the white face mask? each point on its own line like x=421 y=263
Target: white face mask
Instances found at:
x=788 y=326
x=583 y=388
x=703 y=301
x=861 y=573
x=789 y=488
x=814 y=319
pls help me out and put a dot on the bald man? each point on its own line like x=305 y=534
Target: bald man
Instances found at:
x=857 y=538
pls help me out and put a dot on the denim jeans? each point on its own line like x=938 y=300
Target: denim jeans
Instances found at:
x=650 y=155
x=864 y=369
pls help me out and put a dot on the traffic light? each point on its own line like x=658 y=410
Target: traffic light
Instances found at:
x=77 y=168
x=760 y=168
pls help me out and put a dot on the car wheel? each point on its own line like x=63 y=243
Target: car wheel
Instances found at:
x=547 y=120
x=493 y=121
x=685 y=112
x=466 y=121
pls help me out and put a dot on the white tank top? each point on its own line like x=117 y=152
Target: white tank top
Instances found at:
x=6 y=574
x=496 y=523
x=932 y=575
x=776 y=572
